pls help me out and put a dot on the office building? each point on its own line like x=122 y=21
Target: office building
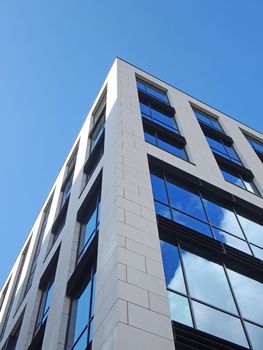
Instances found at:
x=151 y=237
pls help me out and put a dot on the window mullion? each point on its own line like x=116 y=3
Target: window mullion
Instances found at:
x=237 y=305
x=206 y=214
x=187 y=287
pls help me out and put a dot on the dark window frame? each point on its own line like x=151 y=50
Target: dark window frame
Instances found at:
x=220 y=259
x=146 y=84
x=220 y=197
x=161 y=134
x=251 y=141
x=84 y=273
x=38 y=245
x=243 y=180
x=210 y=118
x=47 y=279
x=94 y=157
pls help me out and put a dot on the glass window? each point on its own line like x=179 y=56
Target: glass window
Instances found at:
x=191 y=222
x=185 y=201
x=82 y=314
x=206 y=216
x=12 y=340
x=38 y=247
x=255 y=335
x=96 y=133
x=218 y=146
x=44 y=304
x=159 y=190
x=257 y=145
x=248 y=293
x=172 y=267
x=223 y=218
x=164 y=143
x=90 y=226
x=253 y=231
x=14 y=291
x=219 y=324
x=258 y=252
x=152 y=90
x=159 y=117
x=238 y=180
x=179 y=309
x=206 y=119
x=231 y=240
x=150 y=138
x=207 y=282
x=163 y=210
x=171 y=148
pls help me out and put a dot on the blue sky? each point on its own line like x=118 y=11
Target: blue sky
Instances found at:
x=56 y=54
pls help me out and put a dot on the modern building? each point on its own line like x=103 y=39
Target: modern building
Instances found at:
x=151 y=237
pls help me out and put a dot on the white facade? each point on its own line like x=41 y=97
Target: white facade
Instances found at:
x=131 y=306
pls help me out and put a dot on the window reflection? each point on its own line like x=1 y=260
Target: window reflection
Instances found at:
x=253 y=231
x=208 y=285
x=152 y=90
x=172 y=267
x=179 y=309
x=186 y=201
x=219 y=324
x=158 y=116
x=207 y=281
x=207 y=216
x=82 y=314
x=206 y=119
x=255 y=334
x=249 y=296
x=90 y=226
x=223 y=218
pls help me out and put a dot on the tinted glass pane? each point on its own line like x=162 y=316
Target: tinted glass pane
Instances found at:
x=93 y=295
x=158 y=187
x=219 y=324
x=156 y=93
x=216 y=124
x=186 y=201
x=82 y=314
x=140 y=85
x=179 y=309
x=253 y=231
x=232 y=178
x=223 y=218
x=202 y=118
x=97 y=133
x=145 y=108
x=249 y=296
x=258 y=252
x=179 y=152
x=232 y=153
x=90 y=226
x=163 y=210
x=215 y=144
x=258 y=146
x=91 y=330
x=149 y=138
x=231 y=240
x=192 y=223
x=207 y=281
x=165 y=119
x=48 y=299
x=172 y=267
x=250 y=186
x=82 y=342
x=256 y=335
